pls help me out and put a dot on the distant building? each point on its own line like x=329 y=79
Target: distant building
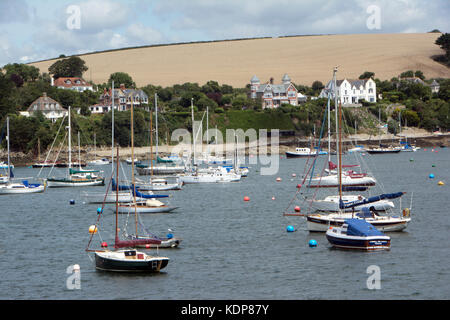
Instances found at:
x=274 y=95
x=72 y=83
x=50 y=108
x=352 y=91
x=122 y=100
x=434 y=86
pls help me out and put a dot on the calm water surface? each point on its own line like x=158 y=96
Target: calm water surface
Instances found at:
x=233 y=249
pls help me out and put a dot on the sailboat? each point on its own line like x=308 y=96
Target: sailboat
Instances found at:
x=150 y=205
x=97 y=162
x=9 y=187
x=382 y=148
x=76 y=177
x=124 y=257
x=210 y=175
x=349 y=178
x=159 y=183
x=322 y=221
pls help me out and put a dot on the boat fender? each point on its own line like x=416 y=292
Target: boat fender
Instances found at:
x=406 y=212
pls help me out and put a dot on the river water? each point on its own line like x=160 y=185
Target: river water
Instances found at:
x=233 y=249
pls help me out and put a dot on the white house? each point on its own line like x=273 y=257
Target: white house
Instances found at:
x=50 y=108
x=352 y=91
x=72 y=83
x=274 y=95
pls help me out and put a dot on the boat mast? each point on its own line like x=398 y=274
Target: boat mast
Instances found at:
x=151 y=145
x=132 y=165
x=117 y=196
x=70 y=143
x=112 y=128
x=7 y=139
x=156 y=124
x=336 y=111
x=193 y=133
x=79 y=151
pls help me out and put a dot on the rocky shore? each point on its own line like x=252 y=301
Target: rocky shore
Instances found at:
x=420 y=139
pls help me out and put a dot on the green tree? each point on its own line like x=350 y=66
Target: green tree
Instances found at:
x=120 y=78
x=419 y=74
x=367 y=75
x=70 y=67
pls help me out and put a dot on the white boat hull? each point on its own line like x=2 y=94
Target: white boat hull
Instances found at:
x=68 y=183
x=144 y=209
x=332 y=204
x=18 y=188
x=123 y=197
x=321 y=222
x=333 y=181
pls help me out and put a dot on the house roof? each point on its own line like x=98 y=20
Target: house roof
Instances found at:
x=254 y=79
x=69 y=82
x=45 y=104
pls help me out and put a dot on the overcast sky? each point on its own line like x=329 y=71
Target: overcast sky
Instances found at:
x=32 y=30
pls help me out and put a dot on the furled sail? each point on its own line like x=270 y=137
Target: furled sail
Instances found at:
x=369 y=200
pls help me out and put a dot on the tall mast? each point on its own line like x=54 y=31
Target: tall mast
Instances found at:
x=329 y=129
x=207 y=136
x=79 y=150
x=132 y=164
x=70 y=142
x=156 y=123
x=112 y=128
x=340 y=154
x=117 y=196
x=7 y=139
x=193 y=133
x=151 y=145
x=336 y=110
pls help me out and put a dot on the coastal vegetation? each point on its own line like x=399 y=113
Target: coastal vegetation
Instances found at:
x=229 y=107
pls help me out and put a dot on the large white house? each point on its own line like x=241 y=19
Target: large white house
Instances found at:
x=72 y=83
x=352 y=91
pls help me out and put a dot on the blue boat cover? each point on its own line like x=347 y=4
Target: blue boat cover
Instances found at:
x=362 y=228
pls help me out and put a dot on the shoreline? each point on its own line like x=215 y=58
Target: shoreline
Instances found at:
x=20 y=159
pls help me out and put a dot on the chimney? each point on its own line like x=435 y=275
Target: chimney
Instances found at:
x=52 y=81
x=44 y=94
x=122 y=86
x=271 y=80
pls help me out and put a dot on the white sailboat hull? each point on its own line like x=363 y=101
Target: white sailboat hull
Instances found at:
x=321 y=222
x=99 y=197
x=18 y=188
x=144 y=209
x=331 y=203
x=68 y=183
x=333 y=181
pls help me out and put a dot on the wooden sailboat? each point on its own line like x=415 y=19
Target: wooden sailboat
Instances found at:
x=124 y=258
x=76 y=177
x=8 y=186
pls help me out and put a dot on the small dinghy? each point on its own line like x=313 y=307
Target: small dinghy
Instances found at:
x=358 y=234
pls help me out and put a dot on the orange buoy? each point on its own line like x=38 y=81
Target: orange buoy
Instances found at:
x=246 y=198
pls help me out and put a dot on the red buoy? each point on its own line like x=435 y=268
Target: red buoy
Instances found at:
x=297 y=209
x=246 y=198
x=104 y=244
x=299 y=186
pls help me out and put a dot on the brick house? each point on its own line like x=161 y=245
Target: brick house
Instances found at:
x=274 y=95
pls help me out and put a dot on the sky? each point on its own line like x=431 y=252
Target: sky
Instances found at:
x=33 y=30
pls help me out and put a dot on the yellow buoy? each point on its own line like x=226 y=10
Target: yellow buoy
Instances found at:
x=440 y=183
x=92 y=229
